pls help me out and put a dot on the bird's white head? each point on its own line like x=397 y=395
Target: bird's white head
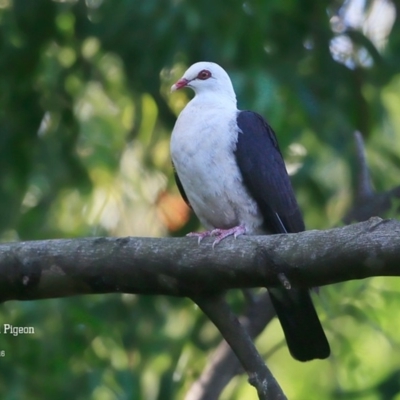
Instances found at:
x=206 y=78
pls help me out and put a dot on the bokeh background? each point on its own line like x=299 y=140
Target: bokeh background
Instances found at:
x=85 y=120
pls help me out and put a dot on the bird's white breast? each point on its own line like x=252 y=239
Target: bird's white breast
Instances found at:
x=202 y=149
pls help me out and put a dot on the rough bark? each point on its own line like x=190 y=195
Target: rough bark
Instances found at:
x=180 y=267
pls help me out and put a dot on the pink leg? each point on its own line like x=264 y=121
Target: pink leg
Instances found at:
x=219 y=234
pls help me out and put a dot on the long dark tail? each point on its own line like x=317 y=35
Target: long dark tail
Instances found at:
x=300 y=323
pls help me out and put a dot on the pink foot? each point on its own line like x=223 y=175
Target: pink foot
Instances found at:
x=219 y=234
x=200 y=235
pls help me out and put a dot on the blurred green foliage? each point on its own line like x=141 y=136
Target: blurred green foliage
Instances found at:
x=85 y=118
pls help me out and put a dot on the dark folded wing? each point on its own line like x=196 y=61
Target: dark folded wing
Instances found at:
x=264 y=174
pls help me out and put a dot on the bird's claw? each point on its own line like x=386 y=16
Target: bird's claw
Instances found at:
x=200 y=235
x=219 y=234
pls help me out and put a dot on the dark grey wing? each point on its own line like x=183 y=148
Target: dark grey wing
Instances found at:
x=180 y=187
x=264 y=174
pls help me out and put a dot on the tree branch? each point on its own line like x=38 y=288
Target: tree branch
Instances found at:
x=240 y=342
x=367 y=203
x=180 y=267
x=224 y=365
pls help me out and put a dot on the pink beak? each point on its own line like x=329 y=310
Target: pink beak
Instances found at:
x=179 y=84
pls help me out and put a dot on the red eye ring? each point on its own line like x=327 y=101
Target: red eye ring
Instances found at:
x=204 y=74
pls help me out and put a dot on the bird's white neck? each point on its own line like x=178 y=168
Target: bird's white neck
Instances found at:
x=218 y=100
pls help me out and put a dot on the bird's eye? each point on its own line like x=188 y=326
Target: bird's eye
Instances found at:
x=204 y=74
